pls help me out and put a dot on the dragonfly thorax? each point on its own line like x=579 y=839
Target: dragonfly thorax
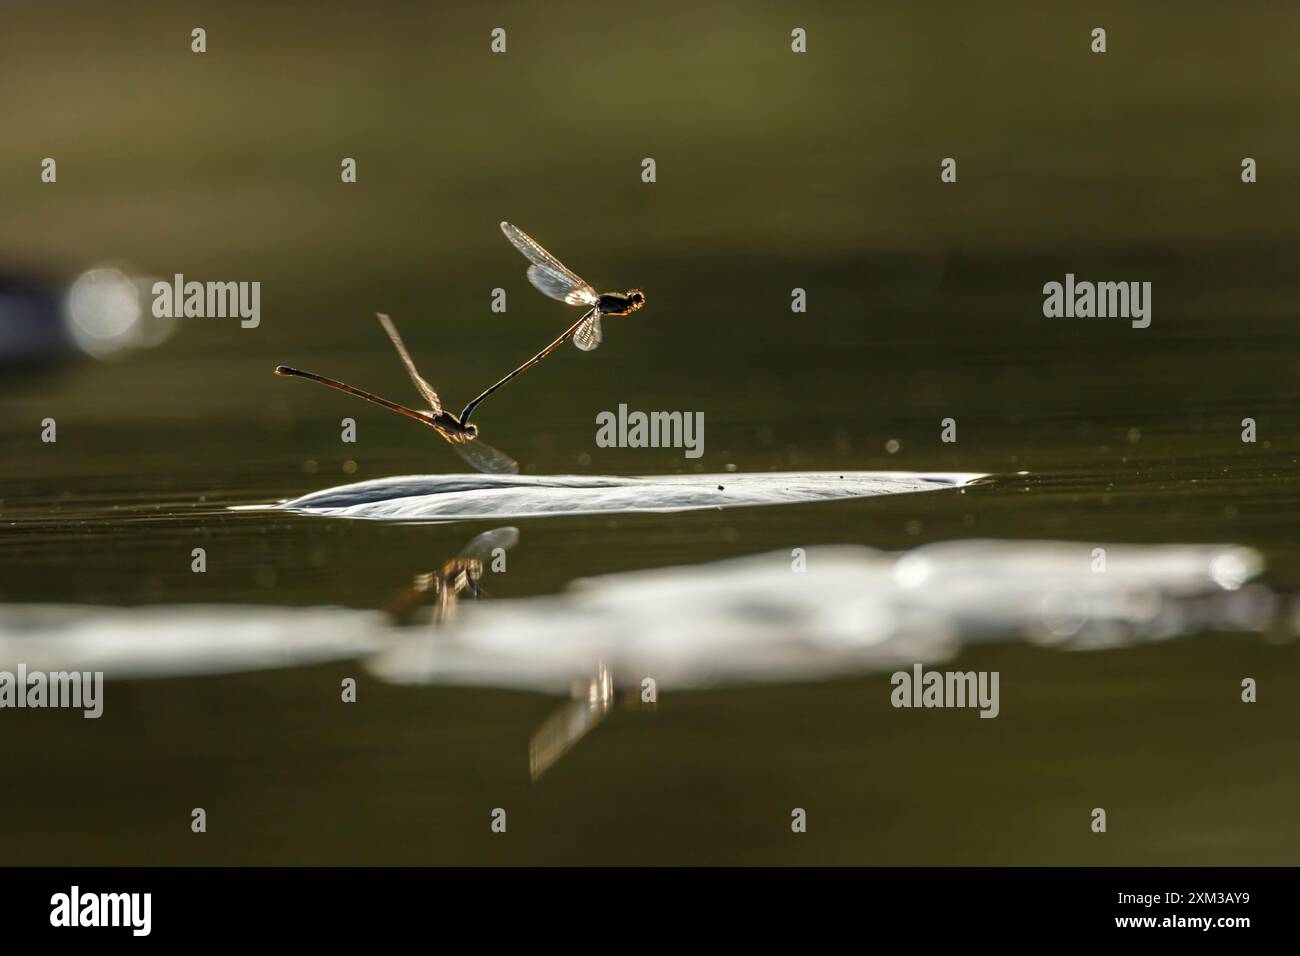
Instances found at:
x=620 y=303
x=453 y=429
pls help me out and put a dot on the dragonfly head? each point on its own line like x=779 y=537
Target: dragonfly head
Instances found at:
x=471 y=431
x=636 y=298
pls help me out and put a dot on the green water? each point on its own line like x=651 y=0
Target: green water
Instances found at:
x=775 y=171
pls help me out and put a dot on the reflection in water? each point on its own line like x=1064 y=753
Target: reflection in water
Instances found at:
x=458 y=574
x=574 y=720
x=464 y=497
x=854 y=610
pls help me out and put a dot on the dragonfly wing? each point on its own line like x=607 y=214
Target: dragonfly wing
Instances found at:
x=559 y=286
x=588 y=334
x=551 y=276
x=584 y=296
x=423 y=387
x=485 y=458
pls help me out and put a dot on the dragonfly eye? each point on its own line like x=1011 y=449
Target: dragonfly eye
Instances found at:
x=636 y=297
x=472 y=431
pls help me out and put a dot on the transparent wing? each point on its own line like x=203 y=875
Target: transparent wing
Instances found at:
x=558 y=286
x=588 y=334
x=485 y=458
x=482 y=546
x=423 y=387
x=548 y=274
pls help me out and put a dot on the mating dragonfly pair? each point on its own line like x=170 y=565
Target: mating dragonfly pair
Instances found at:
x=551 y=277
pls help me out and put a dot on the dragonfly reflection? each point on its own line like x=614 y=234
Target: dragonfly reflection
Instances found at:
x=422 y=649
x=590 y=703
x=458 y=575
x=462 y=436
x=553 y=278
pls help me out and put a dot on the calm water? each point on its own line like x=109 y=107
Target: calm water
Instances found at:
x=774 y=173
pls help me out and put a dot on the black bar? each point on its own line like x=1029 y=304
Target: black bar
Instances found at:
x=333 y=905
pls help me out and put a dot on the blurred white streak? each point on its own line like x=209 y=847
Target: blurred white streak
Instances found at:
x=743 y=620
x=853 y=611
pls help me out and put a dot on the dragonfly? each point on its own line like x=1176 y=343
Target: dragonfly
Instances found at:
x=552 y=277
x=462 y=436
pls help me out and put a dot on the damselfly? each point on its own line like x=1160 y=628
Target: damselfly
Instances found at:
x=553 y=278
x=462 y=436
